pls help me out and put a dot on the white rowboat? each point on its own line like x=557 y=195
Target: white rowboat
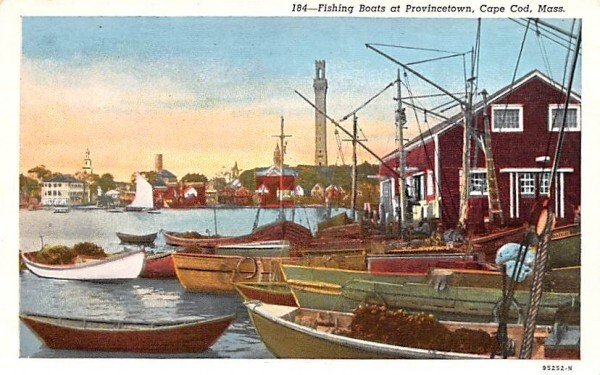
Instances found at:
x=118 y=267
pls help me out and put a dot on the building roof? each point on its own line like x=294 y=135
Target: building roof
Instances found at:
x=166 y=174
x=457 y=118
x=274 y=171
x=62 y=178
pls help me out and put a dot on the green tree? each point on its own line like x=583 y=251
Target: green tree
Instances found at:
x=194 y=177
x=106 y=182
x=41 y=172
x=28 y=186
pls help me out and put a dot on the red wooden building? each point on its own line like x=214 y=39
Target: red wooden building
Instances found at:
x=268 y=183
x=524 y=131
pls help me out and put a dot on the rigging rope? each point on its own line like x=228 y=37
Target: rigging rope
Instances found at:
x=415 y=48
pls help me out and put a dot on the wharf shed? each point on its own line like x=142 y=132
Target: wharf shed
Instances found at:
x=525 y=120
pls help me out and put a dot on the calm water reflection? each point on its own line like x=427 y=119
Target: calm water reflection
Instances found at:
x=138 y=299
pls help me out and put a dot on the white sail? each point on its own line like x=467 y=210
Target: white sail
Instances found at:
x=143 y=193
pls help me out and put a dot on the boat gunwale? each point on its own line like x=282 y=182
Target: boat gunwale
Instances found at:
x=145 y=326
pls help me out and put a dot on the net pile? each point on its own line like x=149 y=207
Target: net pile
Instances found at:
x=60 y=254
x=396 y=327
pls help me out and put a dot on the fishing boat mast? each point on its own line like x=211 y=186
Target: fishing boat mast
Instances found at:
x=400 y=122
x=282 y=145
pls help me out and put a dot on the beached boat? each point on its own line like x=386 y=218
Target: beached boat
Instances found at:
x=216 y=273
x=272 y=293
x=292 y=332
x=275 y=248
x=564 y=249
x=414 y=263
x=191 y=336
x=159 y=266
x=298 y=236
x=122 y=266
x=457 y=294
x=138 y=239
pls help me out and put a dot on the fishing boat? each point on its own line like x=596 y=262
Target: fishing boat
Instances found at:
x=421 y=263
x=275 y=248
x=457 y=294
x=270 y=292
x=564 y=249
x=216 y=273
x=189 y=336
x=296 y=235
x=292 y=332
x=144 y=198
x=187 y=239
x=138 y=239
x=118 y=267
x=159 y=266
x=61 y=210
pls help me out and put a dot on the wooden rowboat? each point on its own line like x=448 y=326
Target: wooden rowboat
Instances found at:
x=114 y=268
x=274 y=248
x=216 y=273
x=177 y=239
x=159 y=266
x=271 y=293
x=457 y=294
x=121 y=336
x=138 y=239
x=291 y=332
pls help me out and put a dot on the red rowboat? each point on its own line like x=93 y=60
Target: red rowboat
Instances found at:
x=159 y=266
x=271 y=293
x=120 y=336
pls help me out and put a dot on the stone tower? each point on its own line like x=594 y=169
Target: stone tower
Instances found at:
x=320 y=86
x=87 y=163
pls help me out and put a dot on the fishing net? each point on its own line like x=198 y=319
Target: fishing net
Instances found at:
x=60 y=254
x=397 y=327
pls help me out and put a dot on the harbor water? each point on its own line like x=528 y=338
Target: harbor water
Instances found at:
x=139 y=299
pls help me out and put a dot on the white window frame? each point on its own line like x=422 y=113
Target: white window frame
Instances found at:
x=477 y=193
x=503 y=107
x=531 y=188
x=544 y=176
x=561 y=106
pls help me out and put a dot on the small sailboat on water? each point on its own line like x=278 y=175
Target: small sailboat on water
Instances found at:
x=144 y=199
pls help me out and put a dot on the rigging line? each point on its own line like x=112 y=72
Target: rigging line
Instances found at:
x=559 y=96
x=558 y=29
x=443 y=105
x=436 y=181
x=543 y=52
x=414 y=48
x=430 y=96
x=547 y=37
x=415 y=73
x=512 y=83
x=368 y=101
x=436 y=59
x=478 y=54
x=425 y=110
x=358 y=141
x=465 y=75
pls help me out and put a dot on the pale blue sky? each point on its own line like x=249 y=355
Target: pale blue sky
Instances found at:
x=207 y=63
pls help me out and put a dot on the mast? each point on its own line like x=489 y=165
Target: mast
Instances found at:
x=400 y=121
x=282 y=136
x=354 y=161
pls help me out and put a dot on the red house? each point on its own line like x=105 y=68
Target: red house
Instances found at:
x=524 y=131
x=268 y=183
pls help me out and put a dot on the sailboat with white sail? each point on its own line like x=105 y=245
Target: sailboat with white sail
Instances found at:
x=144 y=199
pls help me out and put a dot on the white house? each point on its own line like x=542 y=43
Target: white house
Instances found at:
x=64 y=191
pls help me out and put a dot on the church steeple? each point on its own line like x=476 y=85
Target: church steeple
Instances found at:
x=87 y=163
